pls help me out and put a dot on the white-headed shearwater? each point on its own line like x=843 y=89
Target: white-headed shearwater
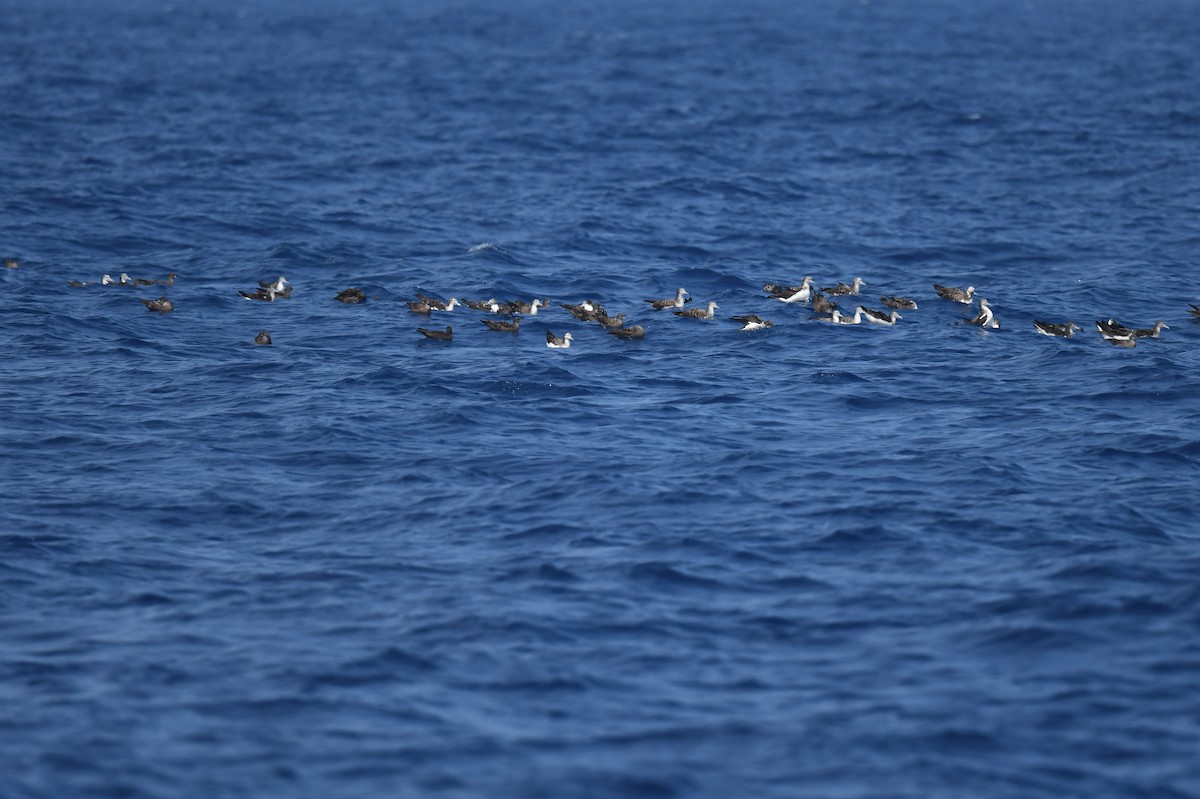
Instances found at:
x=879 y=317
x=753 y=322
x=845 y=289
x=841 y=319
x=439 y=305
x=699 y=313
x=676 y=302
x=985 y=318
x=558 y=342
x=801 y=293
x=264 y=337
x=955 y=294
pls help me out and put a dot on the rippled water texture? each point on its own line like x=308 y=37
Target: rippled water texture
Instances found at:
x=816 y=560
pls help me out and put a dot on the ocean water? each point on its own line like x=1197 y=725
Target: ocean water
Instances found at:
x=811 y=561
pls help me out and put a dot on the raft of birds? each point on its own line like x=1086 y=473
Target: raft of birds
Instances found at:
x=510 y=313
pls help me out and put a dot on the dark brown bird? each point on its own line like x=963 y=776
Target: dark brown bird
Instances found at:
x=899 y=302
x=264 y=337
x=631 y=332
x=437 y=335
x=351 y=296
x=161 y=305
x=822 y=305
x=504 y=327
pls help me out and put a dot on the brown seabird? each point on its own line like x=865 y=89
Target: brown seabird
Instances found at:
x=822 y=305
x=845 y=289
x=161 y=305
x=699 y=313
x=351 y=296
x=504 y=327
x=1063 y=330
x=903 y=303
x=263 y=337
x=675 y=302
x=955 y=294
x=439 y=305
x=437 y=335
x=631 y=332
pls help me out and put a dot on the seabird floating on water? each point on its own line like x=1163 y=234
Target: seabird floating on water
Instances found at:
x=351 y=296
x=161 y=305
x=845 y=289
x=437 y=335
x=267 y=294
x=1064 y=330
x=676 y=302
x=822 y=305
x=504 y=327
x=1113 y=329
x=483 y=305
x=610 y=322
x=1194 y=310
x=264 y=337
x=439 y=305
x=753 y=322
x=558 y=342
x=840 y=318
x=899 y=302
x=985 y=318
x=12 y=263
x=1151 y=332
x=530 y=308
x=955 y=294
x=879 y=317
x=277 y=284
x=631 y=332
x=585 y=311
x=699 y=313
x=801 y=293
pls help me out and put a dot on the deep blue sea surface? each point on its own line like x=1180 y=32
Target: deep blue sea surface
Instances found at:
x=812 y=561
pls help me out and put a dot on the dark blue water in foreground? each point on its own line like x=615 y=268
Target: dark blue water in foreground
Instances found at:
x=926 y=561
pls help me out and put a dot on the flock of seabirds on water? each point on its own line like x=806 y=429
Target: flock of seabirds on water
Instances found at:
x=510 y=313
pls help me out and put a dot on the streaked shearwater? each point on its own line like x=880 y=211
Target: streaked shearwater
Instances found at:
x=699 y=313
x=753 y=322
x=879 y=317
x=558 y=342
x=264 y=337
x=955 y=294
x=1064 y=330
x=899 y=302
x=845 y=289
x=676 y=302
